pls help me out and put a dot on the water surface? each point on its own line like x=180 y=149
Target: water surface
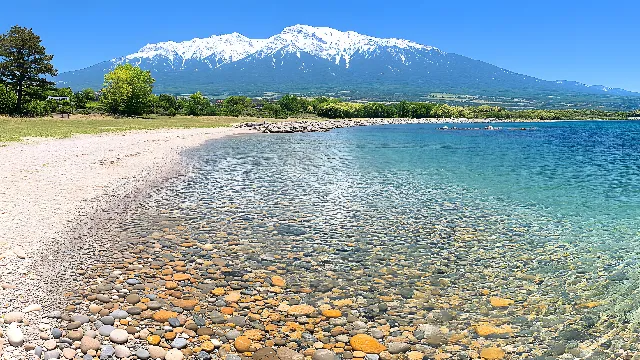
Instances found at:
x=436 y=222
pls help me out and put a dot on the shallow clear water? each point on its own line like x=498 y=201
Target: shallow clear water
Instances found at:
x=438 y=220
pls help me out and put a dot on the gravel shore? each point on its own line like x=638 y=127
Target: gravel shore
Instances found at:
x=124 y=246
x=55 y=191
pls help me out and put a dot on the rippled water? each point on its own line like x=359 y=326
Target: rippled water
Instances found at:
x=438 y=220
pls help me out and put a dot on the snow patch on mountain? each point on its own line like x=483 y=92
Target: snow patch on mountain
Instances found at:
x=323 y=42
x=331 y=44
x=223 y=49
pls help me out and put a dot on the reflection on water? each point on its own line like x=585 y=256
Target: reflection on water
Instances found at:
x=528 y=240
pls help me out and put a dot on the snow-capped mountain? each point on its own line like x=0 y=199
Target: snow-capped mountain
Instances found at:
x=214 y=50
x=322 y=60
x=322 y=42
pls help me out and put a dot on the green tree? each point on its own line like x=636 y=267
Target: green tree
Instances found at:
x=82 y=98
x=376 y=110
x=128 y=91
x=271 y=110
x=23 y=60
x=39 y=108
x=293 y=105
x=167 y=105
x=66 y=92
x=237 y=106
x=197 y=105
x=7 y=100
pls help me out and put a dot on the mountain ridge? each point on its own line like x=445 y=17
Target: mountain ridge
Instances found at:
x=321 y=60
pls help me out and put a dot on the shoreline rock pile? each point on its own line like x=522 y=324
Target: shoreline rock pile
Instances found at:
x=328 y=125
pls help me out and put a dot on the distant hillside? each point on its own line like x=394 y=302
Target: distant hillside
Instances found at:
x=323 y=61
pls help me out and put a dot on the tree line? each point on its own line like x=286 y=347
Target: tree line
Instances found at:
x=128 y=91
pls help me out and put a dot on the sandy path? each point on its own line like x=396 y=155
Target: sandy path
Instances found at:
x=48 y=187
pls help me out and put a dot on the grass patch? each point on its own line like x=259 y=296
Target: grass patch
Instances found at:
x=15 y=129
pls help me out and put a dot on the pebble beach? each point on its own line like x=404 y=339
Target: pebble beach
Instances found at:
x=57 y=198
x=120 y=246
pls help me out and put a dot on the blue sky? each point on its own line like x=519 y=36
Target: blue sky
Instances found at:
x=595 y=42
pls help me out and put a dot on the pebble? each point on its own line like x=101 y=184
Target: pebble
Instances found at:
x=285 y=353
x=68 y=353
x=142 y=354
x=323 y=354
x=53 y=354
x=397 y=348
x=119 y=336
x=54 y=314
x=157 y=352
x=266 y=353
x=12 y=317
x=19 y=252
x=122 y=351
x=105 y=330
x=133 y=299
x=108 y=320
x=154 y=305
x=492 y=353
x=119 y=314
x=367 y=344
x=82 y=319
x=50 y=344
x=242 y=344
x=32 y=307
x=15 y=335
x=75 y=335
x=106 y=352
x=179 y=343
x=87 y=344
x=174 y=354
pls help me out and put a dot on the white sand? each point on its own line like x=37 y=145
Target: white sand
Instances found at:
x=50 y=185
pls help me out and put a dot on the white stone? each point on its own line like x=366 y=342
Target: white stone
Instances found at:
x=122 y=351
x=15 y=335
x=19 y=252
x=32 y=307
x=119 y=336
x=174 y=354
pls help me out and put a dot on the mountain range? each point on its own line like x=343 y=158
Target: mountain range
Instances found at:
x=324 y=61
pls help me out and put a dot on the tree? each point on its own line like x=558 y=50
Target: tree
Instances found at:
x=7 y=100
x=167 y=105
x=127 y=91
x=273 y=111
x=23 y=60
x=197 y=105
x=237 y=106
x=82 y=98
x=293 y=105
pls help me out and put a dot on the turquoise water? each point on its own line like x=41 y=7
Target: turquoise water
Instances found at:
x=440 y=221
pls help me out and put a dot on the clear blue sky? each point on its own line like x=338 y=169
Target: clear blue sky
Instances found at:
x=595 y=42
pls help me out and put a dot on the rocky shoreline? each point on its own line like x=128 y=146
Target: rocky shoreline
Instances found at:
x=60 y=199
x=328 y=125
x=179 y=288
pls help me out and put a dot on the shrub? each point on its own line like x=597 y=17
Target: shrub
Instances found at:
x=38 y=108
x=8 y=100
